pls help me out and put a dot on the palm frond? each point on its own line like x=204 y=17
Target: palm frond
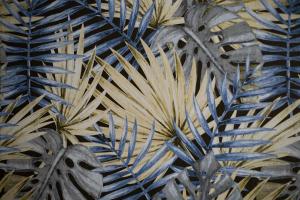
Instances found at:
x=279 y=37
x=263 y=189
x=126 y=162
x=12 y=192
x=27 y=47
x=38 y=41
x=165 y=11
x=99 y=26
x=224 y=125
x=80 y=112
x=21 y=127
x=158 y=96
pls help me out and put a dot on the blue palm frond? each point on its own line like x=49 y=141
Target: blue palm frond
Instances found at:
x=280 y=42
x=28 y=45
x=214 y=138
x=124 y=180
x=98 y=26
x=28 y=50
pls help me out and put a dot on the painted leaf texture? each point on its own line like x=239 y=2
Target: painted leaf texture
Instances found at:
x=144 y=99
x=28 y=45
x=201 y=38
x=60 y=171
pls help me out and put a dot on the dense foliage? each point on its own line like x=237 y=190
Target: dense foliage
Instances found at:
x=143 y=99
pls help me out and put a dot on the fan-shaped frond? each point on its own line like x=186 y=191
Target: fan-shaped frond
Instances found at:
x=81 y=111
x=158 y=96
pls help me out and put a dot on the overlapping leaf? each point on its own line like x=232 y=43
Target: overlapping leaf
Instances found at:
x=208 y=184
x=27 y=46
x=20 y=127
x=219 y=49
x=59 y=171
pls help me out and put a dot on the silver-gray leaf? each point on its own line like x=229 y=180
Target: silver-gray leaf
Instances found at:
x=60 y=172
x=197 y=39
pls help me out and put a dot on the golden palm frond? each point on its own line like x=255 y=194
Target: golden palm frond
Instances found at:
x=158 y=97
x=261 y=187
x=79 y=117
x=23 y=126
x=11 y=192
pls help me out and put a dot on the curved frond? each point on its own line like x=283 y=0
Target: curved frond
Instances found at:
x=27 y=46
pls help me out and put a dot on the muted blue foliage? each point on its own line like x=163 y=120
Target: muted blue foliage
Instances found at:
x=231 y=102
x=123 y=178
x=280 y=42
x=27 y=55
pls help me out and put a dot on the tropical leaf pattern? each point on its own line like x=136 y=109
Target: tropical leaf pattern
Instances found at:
x=149 y=99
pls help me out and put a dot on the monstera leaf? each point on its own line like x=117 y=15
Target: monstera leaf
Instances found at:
x=60 y=173
x=206 y=187
x=286 y=171
x=212 y=47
